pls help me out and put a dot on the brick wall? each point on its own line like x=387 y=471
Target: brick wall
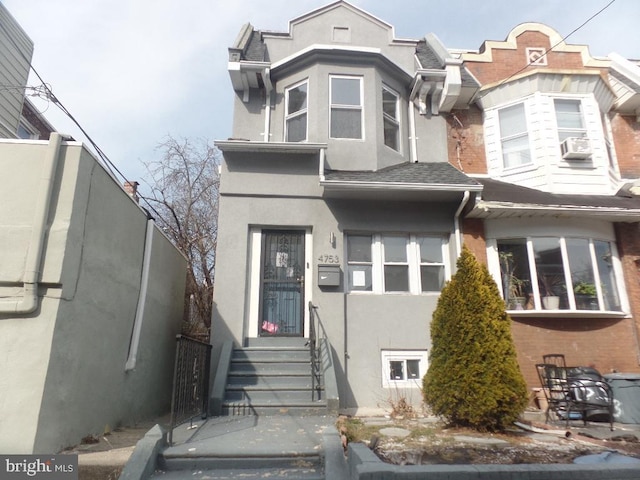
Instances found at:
x=626 y=139
x=508 y=62
x=465 y=138
x=473 y=238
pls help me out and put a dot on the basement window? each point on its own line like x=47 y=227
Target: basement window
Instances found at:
x=403 y=368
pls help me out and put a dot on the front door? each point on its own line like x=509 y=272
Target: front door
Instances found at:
x=282 y=283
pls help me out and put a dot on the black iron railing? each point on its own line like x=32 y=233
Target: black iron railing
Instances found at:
x=317 y=334
x=190 y=381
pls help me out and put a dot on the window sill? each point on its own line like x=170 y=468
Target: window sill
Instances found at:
x=604 y=314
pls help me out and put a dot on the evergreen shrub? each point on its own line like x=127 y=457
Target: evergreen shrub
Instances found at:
x=473 y=378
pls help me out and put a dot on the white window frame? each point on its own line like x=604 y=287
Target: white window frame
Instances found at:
x=378 y=263
x=525 y=133
x=32 y=131
x=572 y=132
x=395 y=121
x=359 y=107
x=572 y=310
x=291 y=116
x=388 y=356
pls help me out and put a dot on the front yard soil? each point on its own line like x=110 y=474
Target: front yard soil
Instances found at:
x=425 y=441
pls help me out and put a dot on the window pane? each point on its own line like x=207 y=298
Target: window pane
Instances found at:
x=431 y=278
x=360 y=278
x=297 y=128
x=395 y=249
x=396 y=278
x=345 y=91
x=389 y=103
x=396 y=370
x=413 y=369
x=297 y=99
x=515 y=274
x=430 y=249
x=346 y=123
x=515 y=151
x=512 y=121
x=390 y=134
x=359 y=248
x=551 y=280
x=607 y=276
x=568 y=114
x=584 y=287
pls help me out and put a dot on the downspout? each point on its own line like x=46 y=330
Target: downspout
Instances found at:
x=29 y=301
x=267 y=107
x=456 y=222
x=142 y=297
x=413 y=143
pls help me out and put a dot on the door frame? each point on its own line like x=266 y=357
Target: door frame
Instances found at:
x=255 y=271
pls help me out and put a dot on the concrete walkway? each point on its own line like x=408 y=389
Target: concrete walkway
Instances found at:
x=253 y=435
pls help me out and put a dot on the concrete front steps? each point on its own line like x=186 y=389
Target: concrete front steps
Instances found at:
x=251 y=447
x=272 y=376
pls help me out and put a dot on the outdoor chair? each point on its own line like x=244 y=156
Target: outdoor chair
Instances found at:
x=556 y=359
x=572 y=393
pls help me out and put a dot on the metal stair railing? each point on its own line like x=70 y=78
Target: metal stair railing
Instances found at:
x=190 y=381
x=315 y=327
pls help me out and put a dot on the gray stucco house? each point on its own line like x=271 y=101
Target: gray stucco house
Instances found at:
x=336 y=190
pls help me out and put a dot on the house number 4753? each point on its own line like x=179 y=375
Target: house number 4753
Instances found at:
x=329 y=259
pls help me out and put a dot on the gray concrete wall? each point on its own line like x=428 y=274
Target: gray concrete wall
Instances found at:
x=67 y=374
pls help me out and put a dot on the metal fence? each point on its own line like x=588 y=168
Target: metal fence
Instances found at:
x=190 y=381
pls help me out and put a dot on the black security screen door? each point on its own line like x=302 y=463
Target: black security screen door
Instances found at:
x=282 y=290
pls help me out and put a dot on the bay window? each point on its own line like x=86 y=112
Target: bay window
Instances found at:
x=394 y=263
x=346 y=107
x=569 y=119
x=514 y=136
x=558 y=273
x=390 y=118
x=296 y=113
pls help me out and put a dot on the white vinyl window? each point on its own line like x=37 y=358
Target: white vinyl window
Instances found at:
x=559 y=273
x=296 y=112
x=391 y=118
x=569 y=119
x=514 y=136
x=403 y=368
x=346 y=107
x=395 y=263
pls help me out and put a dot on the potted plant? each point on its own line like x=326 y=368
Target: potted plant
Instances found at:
x=586 y=296
x=552 y=284
x=513 y=286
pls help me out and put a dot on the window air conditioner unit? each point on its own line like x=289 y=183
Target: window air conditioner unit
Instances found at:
x=576 y=148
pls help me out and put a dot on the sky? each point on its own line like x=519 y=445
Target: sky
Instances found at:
x=134 y=71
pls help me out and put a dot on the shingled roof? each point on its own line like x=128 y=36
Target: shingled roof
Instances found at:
x=432 y=173
x=496 y=191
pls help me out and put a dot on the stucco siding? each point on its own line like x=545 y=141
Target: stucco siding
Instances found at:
x=66 y=361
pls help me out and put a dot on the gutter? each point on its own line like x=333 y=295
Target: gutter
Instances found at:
x=29 y=301
x=356 y=185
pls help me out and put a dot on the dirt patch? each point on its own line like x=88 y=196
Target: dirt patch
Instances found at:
x=427 y=442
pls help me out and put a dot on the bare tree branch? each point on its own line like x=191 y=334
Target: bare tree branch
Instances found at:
x=183 y=194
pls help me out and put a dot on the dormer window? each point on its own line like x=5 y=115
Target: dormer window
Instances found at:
x=346 y=107
x=296 y=112
x=390 y=118
x=514 y=136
